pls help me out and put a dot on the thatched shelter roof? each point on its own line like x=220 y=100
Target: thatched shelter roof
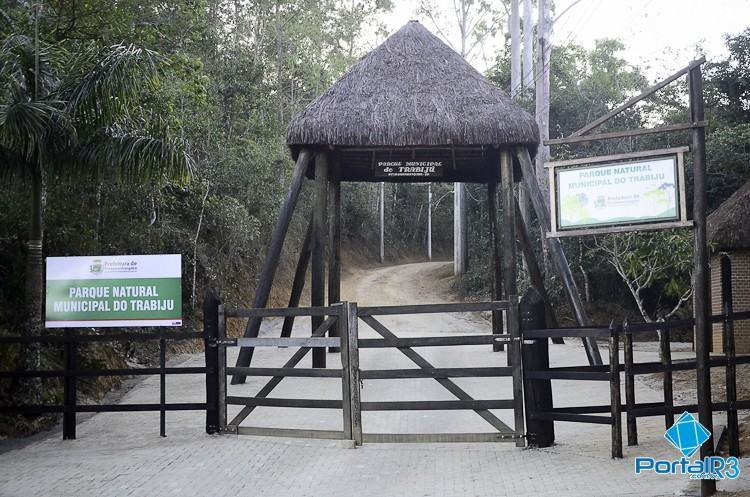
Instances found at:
x=413 y=90
x=729 y=225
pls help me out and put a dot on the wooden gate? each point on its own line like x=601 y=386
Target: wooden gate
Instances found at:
x=343 y=319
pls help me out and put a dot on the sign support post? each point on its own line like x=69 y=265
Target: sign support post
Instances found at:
x=702 y=285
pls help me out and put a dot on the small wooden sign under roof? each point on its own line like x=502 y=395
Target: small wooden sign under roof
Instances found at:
x=616 y=193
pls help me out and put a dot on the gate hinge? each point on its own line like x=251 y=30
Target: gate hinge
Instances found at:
x=229 y=429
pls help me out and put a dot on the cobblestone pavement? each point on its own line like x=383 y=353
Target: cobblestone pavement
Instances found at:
x=121 y=454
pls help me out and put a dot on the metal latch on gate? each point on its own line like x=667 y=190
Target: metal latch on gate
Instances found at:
x=507 y=339
x=228 y=342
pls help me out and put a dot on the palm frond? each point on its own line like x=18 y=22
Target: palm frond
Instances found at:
x=132 y=158
x=106 y=83
x=18 y=66
x=25 y=125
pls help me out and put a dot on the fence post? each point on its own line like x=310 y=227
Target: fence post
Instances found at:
x=631 y=421
x=210 y=334
x=535 y=357
x=666 y=361
x=614 y=389
x=731 y=364
x=346 y=378
x=69 y=387
x=162 y=388
x=354 y=381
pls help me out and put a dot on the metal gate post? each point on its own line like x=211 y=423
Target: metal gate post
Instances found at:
x=514 y=352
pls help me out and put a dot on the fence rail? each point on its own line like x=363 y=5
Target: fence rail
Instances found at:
x=71 y=373
x=538 y=374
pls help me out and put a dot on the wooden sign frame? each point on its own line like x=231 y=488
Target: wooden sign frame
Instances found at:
x=680 y=222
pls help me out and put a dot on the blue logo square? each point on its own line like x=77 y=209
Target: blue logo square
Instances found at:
x=687 y=434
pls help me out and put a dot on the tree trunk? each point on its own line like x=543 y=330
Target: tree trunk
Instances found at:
x=34 y=288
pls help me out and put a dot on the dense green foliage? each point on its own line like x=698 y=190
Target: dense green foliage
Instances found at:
x=586 y=84
x=223 y=77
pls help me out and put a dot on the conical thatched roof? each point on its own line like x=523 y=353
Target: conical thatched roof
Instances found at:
x=412 y=90
x=729 y=225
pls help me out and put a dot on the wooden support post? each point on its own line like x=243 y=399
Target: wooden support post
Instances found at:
x=700 y=272
x=211 y=304
x=537 y=393
x=508 y=238
x=729 y=349
x=298 y=284
x=334 y=247
x=320 y=230
x=631 y=421
x=221 y=370
x=162 y=388
x=69 y=388
x=614 y=390
x=665 y=351
x=535 y=273
x=557 y=255
x=354 y=379
x=272 y=258
x=495 y=263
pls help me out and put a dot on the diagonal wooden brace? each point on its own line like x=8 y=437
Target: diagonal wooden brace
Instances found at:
x=445 y=382
x=293 y=361
x=272 y=258
x=557 y=255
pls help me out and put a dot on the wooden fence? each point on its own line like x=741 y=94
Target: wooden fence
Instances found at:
x=70 y=373
x=538 y=374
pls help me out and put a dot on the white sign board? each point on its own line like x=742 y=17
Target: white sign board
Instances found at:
x=619 y=193
x=114 y=291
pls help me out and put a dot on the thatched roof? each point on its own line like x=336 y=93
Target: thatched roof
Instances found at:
x=412 y=90
x=729 y=225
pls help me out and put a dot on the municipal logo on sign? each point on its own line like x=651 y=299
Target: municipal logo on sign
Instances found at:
x=687 y=434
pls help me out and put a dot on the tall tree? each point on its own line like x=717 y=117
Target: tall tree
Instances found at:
x=65 y=114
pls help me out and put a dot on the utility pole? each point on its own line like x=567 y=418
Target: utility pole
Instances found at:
x=429 y=222
x=542 y=91
x=460 y=243
x=515 y=49
x=528 y=46
x=527 y=70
